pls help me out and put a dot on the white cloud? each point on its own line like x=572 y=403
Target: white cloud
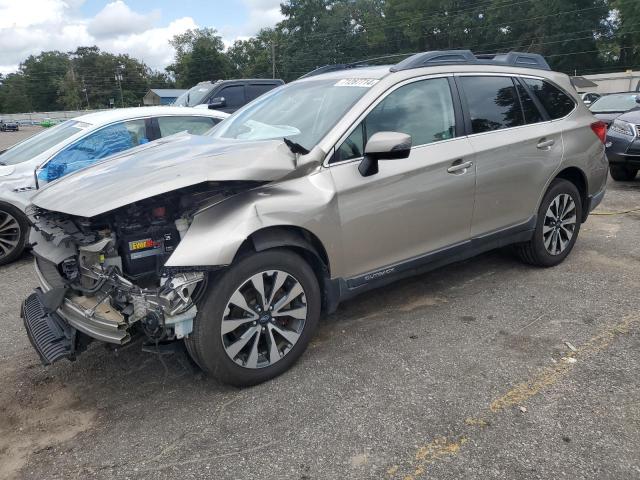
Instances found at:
x=117 y=19
x=29 y=27
x=261 y=14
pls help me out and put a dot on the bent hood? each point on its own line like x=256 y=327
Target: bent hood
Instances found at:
x=162 y=166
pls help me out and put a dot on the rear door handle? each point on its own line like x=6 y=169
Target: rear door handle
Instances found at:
x=459 y=167
x=545 y=144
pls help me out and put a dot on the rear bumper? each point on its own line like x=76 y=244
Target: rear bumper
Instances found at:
x=98 y=321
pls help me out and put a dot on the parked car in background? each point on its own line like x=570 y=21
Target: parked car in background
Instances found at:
x=608 y=107
x=623 y=146
x=6 y=126
x=226 y=95
x=73 y=145
x=589 y=98
x=317 y=191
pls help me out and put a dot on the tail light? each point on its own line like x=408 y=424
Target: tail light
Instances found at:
x=600 y=129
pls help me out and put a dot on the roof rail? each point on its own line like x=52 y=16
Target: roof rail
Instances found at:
x=466 y=57
x=347 y=66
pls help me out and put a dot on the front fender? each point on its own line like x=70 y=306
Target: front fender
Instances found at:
x=216 y=234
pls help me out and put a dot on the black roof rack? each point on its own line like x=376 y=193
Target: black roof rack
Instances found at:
x=347 y=66
x=445 y=57
x=466 y=57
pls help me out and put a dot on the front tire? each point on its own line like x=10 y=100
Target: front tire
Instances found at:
x=622 y=173
x=556 y=232
x=14 y=229
x=257 y=318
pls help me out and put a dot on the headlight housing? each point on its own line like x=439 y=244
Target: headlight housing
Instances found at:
x=623 y=128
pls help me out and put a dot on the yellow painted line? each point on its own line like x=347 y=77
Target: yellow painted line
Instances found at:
x=444 y=447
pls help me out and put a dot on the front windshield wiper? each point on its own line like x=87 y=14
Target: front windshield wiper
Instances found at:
x=295 y=147
x=2 y=164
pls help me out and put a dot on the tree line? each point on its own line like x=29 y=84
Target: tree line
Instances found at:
x=576 y=36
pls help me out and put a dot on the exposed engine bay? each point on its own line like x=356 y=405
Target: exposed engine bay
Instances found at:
x=111 y=267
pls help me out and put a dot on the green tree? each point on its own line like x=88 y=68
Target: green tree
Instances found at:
x=199 y=56
x=626 y=29
x=14 y=97
x=252 y=58
x=43 y=74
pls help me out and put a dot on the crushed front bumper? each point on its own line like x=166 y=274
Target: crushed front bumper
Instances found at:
x=97 y=320
x=49 y=334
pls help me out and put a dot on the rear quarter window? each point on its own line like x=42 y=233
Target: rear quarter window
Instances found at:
x=557 y=103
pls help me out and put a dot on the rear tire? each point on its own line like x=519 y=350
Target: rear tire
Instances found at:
x=556 y=232
x=14 y=231
x=622 y=173
x=256 y=319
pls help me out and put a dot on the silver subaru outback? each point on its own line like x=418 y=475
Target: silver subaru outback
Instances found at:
x=340 y=182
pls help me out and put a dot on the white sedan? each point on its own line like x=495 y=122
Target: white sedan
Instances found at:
x=76 y=144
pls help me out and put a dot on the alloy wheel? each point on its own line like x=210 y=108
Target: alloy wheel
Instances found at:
x=9 y=233
x=559 y=224
x=263 y=319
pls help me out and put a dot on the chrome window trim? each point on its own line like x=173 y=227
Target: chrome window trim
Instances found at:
x=513 y=75
x=326 y=163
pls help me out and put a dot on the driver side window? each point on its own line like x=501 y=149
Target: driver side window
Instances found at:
x=422 y=109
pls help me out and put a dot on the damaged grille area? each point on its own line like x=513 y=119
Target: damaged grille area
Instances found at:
x=108 y=271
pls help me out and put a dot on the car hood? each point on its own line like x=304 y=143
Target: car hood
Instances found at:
x=632 y=116
x=607 y=117
x=162 y=166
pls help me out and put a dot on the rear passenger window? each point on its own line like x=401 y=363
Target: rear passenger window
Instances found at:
x=531 y=112
x=193 y=125
x=493 y=103
x=254 y=90
x=557 y=103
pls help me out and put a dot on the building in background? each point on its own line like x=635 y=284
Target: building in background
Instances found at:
x=604 y=83
x=162 y=96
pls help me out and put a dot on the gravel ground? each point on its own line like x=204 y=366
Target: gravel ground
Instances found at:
x=8 y=139
x=464 y=372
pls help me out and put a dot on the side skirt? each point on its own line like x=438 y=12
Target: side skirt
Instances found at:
x=349 y=288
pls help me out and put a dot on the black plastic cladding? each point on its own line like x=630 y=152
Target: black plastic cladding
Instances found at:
x=466 y=57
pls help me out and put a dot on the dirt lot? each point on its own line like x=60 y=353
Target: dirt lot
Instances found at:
x=464 y=372
x=8 y=139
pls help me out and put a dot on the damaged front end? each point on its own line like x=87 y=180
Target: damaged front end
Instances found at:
x=105 y=278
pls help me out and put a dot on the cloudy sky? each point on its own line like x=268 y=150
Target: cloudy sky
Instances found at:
x=140 y=28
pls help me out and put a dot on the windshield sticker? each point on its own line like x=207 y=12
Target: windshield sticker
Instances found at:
x=357 y=82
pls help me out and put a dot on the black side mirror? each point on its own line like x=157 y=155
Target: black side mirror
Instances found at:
x=384 y=146
x=218 y=102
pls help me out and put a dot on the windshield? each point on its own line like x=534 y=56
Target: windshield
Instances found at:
x=303 y=112
x=615 y=103
x=43 y=141
x=194 y=95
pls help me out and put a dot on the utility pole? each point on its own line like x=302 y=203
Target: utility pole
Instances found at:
x=273 y=59
x=119 y=78
x=86 y=94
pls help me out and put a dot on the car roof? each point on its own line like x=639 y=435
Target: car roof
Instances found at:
x=359 y=72
x=117 y=114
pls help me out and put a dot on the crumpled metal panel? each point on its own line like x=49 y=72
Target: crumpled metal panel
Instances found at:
x=163 y=166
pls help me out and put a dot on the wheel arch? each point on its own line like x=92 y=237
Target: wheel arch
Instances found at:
x=306 y=244
x=576 y=176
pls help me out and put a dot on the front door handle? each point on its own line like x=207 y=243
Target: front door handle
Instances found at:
x=546 y=144
x=459 y=167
